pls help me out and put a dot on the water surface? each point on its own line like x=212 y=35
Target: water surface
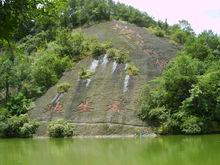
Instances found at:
x=169 y=150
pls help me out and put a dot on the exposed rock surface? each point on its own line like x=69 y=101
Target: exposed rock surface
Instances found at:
x=102 y=101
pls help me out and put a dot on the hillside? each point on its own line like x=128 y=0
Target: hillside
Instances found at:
x=107 y=103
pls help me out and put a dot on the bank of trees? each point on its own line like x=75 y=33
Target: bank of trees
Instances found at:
x=185 y=98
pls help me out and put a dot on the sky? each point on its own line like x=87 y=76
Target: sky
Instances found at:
x=201 y=14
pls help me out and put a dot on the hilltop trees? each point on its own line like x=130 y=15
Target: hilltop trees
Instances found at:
x=181 y=32
x=86 y=12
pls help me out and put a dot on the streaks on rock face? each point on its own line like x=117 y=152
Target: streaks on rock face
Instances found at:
x=56 y=105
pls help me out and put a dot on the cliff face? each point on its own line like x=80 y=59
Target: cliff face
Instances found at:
x=107 y=103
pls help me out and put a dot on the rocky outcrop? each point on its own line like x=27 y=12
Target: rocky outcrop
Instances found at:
x=107 y=102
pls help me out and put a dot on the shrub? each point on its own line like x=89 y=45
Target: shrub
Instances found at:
x=120 y=56
x=97 y=49
x=179 y=37
x=18 y=104
x=62 y=88
x=28 y=129
x=107 y=45
x=112 y=53
x=32 y=43
x=157 y=31
x=60 y=128
x=85 y=74
x=71 y=45
x=191 y=125
x=48 y=68
x=132 y=70
x=158 y=114
x=18 y=126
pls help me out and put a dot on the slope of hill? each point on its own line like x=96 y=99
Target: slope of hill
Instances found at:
x=107 y=103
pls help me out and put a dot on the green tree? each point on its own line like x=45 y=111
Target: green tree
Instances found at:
x=18 y=126
x=12 y=14
x=206 y=45
x=18 y=104
x=14 y=72
x=48 y=68
x=8 y=77
x=185 y=98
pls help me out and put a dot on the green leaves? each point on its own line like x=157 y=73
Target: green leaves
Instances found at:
x=191 y=125
x=60 y=128
x=48 y=68
x=85 y=74
x=186 y=96
x=120 y=56
x=18 y=104
x=157 y=31
x=132 y=70
x=205 y=46
x=63 y=87
x=74 y=45
x=13 y=14
x=18 y=126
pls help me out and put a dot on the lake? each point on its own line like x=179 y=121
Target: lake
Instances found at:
x=167 y=150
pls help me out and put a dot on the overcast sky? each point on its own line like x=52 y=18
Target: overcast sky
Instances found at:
x=202 y=14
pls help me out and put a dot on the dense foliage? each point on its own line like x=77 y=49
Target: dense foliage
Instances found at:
x=86 y=12
x=63 y=87
x=120 y=56
x=17 y=126
x=132 y=70
x=185 y=98
x=85 y=74
x=60 y=128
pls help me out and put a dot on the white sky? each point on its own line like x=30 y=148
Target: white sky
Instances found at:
x=202 y=14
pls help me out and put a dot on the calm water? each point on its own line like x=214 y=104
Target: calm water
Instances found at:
x=170 y=150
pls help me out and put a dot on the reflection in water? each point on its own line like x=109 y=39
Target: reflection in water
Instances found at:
x=170 y=150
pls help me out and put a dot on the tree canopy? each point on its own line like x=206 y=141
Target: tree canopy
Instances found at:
x=186 y=96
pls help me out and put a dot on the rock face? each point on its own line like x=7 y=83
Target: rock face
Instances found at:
x=107 y=103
